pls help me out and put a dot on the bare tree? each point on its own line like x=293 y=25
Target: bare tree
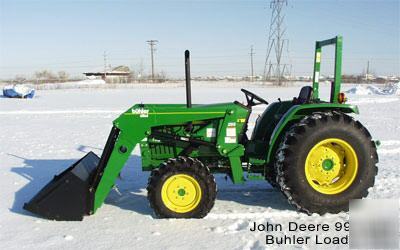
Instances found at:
x=19 y=78
x=160 y=77
x=44 y=75
x=63 y=76
x=140 y=70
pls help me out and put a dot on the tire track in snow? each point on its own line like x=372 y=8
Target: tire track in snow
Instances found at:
x=389 y=147
x=373 y=100
x=390 y=143
x=389 y=151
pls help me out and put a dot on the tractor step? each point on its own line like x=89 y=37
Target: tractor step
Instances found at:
x=256 y=177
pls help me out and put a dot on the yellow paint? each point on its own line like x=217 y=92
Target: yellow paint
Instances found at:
x=343 y=172
x=181 y=193
x=318 y=58
x=241 y=120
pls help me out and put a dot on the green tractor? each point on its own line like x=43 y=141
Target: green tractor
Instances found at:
x=311 y=150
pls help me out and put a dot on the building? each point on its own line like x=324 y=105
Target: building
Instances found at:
x=120 y=74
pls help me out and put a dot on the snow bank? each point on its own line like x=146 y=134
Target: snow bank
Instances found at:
x=391 y=89
x=91 y=81
x=359 y=90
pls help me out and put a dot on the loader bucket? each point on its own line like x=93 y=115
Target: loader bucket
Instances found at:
x=67 y=196
x=70 y=195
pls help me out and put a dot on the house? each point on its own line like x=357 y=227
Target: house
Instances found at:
x=120 y=74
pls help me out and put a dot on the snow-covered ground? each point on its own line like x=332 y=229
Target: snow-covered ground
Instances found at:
x=43 y=136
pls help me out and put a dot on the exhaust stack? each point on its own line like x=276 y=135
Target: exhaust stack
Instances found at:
x=187 y=77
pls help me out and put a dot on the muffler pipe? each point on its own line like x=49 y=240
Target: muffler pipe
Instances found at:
x=187 y=78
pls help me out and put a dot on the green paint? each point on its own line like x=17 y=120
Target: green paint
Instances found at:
x=220 y=126
x=137 y=122
x=327 y=164
x=254 y=177
x=295 y=113
x=181 y=192
x=338 y=43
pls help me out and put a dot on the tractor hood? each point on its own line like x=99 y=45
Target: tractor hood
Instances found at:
x=163 y=114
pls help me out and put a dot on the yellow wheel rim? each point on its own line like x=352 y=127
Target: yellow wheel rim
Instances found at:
x=181 y=193
x=331 y=166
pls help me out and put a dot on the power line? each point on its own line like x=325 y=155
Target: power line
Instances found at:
x=152 y=44
x=105 y=64
x=251 y=63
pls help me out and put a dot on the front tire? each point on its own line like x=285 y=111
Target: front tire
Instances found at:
x=181 y=188
x=324 y=161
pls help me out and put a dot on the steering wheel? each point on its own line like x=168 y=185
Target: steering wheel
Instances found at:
x=250 y=97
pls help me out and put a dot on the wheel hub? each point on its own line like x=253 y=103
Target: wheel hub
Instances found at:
x=181 y=192
x=327 y=164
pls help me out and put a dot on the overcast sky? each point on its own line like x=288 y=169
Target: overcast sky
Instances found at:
x=73 y=35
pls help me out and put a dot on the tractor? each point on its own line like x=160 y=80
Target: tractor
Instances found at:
x=312 y=150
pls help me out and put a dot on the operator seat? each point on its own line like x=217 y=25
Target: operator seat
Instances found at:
x=304 y=95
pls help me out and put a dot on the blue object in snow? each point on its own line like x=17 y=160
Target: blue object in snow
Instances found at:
x=18 y=91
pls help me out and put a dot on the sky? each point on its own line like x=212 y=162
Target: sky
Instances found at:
x=73 y=35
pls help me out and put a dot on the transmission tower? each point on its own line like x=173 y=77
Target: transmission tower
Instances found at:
x=274 y=68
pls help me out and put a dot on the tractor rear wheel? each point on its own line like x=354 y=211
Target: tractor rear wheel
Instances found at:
x=181 y=188
x=324 y=161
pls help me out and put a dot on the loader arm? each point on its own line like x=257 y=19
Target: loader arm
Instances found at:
x=133 y=126
x=82 y=188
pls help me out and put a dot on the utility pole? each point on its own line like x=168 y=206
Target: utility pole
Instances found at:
x=251 y=61
x=367 y=75
x=105 y=65
x=152 y=44
x=274 y=68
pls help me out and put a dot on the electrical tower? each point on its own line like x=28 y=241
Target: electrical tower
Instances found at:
x=275 y=69
x=152 y=44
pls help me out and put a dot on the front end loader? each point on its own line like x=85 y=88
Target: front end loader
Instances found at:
x=310 y=149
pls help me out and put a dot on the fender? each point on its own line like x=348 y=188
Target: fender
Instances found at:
x=296 y=113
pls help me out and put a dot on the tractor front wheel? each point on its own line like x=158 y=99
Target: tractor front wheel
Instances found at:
x=181 y=188
x=324 y=161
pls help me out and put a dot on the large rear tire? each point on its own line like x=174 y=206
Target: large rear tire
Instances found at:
x=324 y=161
x=181 y=188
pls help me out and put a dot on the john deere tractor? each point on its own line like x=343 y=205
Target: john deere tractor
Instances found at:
x=312 y=150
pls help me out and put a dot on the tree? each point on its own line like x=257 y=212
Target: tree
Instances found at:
x=161 y=77
x=63 y=76
x=140 y=70
x=19 y=78
x=45 y=74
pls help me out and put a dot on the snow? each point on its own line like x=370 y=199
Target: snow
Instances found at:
x=390 y=89
x=91 y=81
x=40 y=137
